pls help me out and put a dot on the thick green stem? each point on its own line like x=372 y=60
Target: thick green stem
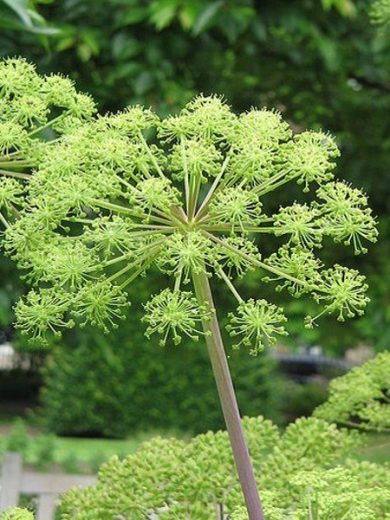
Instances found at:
x=228 y=400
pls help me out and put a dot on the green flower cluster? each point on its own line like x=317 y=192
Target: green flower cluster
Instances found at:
x=299 y=472
x=122 y=193
x=17 y=513
x=34 y=112
x=361 y=398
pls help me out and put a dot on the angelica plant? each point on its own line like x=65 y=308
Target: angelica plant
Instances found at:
x=361 y=398
x=35 y=111
x=307 y=472
x=126 y=192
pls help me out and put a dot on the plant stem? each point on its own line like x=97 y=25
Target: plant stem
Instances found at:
x=49 y=123
x=228 y=399
x=231 y=287
x=254 y=260
x=3 y=220
x=17 y=175
x=214 y=186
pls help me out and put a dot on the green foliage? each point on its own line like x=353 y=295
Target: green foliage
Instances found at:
x=300 y=399
x=18 y=439
x=17 y=513
x=71 y=463
x=38 y=450
x=300 y=472
x=22 y=15
x=44 y=447
x=361 y=398
x=380 y=13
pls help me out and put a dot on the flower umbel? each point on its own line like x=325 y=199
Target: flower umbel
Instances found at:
x=110 y=197
x=342 y=291
x=41 y=312
x=100 y=304
x=105 y=204
x=175 y=313
x=29 y=105
x=257 y=323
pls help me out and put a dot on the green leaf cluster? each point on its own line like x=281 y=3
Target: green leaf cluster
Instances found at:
x=380 y=13
x=23 y=16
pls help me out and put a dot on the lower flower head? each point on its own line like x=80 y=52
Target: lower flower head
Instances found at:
x=257 y=323
x=175 y=313
x=43 y=312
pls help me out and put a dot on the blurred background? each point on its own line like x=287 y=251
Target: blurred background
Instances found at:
x=323 y=64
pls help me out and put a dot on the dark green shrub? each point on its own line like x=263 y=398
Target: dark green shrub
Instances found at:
x=19 y=385
x=111 y=386
x=301 y=399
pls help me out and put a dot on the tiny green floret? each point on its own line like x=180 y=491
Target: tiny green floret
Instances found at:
x=299 y=223
x=342 y=291
x=101 y=305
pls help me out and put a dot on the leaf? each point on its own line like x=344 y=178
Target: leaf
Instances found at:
x=28 y=17
x=84 y=52
x=345 y=7
x=133 y=16
x=188 y=15
x=40 y=25
x=66 y=42
x=11 y=23
x=162 y=12
x=329 y=52
x=143 y=83
x=206 y=16
x=91 y=39
x=5 y=309
x=20 y=7
x=125 y=47
x=259 y=29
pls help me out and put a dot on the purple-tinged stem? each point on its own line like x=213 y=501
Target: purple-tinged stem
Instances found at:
x=228 y=400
